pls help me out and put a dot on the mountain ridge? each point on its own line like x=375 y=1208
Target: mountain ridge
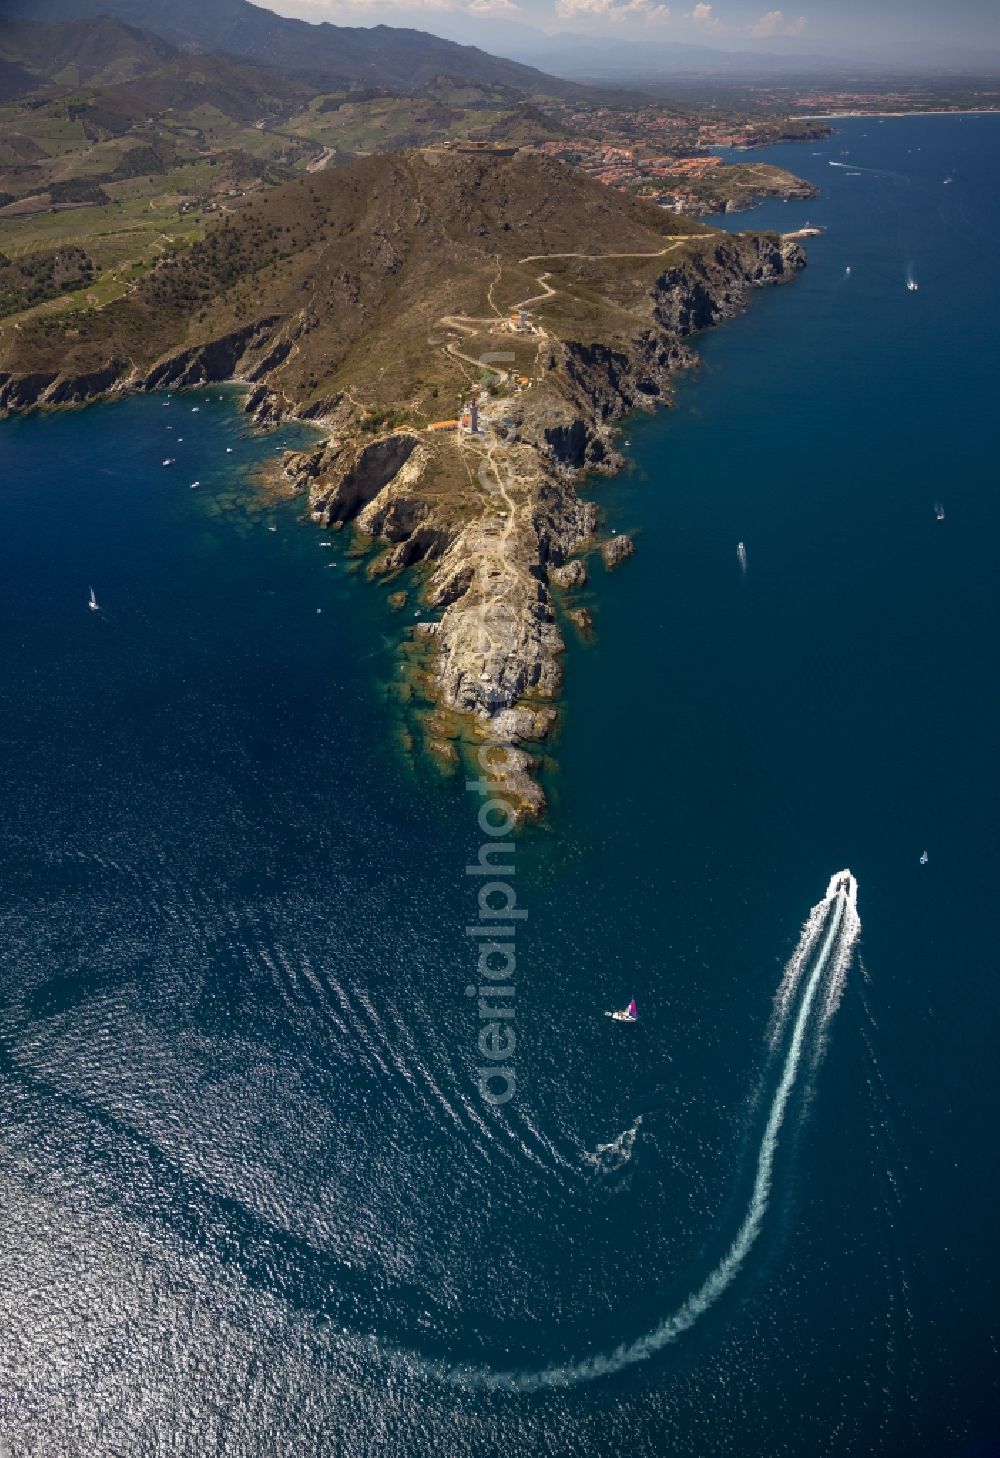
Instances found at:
x=325 y=54
x=91 y=52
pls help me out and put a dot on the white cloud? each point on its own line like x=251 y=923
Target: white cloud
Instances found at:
x=704 y=15
x=492 y=7
x=774 y=23
x=610 y=9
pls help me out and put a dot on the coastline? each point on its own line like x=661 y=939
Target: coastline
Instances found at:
x=253 y=1195
x=939 y=111
x=490 y=517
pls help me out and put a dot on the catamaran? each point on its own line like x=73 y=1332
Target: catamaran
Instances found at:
x=629 y=1014
x=92 y=603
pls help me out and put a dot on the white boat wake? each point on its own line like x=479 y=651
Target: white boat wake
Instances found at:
x=807 y=998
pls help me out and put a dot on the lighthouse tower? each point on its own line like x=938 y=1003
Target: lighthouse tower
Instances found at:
x=470 y=415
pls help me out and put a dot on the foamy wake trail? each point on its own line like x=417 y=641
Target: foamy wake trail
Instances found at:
x=784 y=998
x=833 y=927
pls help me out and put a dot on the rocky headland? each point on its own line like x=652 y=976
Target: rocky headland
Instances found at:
x=375 y=301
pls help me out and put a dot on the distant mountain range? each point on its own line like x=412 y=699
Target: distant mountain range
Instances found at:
x=325 y=55
x=620 y=60
x=118 y=75
x=616 y=59
x=94 y=52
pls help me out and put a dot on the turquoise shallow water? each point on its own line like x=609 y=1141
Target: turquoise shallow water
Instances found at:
x=253 y=1201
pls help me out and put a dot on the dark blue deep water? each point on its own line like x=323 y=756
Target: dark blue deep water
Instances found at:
x=252 y=1201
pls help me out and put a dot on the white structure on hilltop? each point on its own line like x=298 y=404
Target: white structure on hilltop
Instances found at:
x=469 y=418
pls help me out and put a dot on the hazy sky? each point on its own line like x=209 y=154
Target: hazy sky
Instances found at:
x=847 y=26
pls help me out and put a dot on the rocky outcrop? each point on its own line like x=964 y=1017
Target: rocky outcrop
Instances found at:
x=75 y=390
x=571 y=574
x=220 y=359
x=25 y=392
x=21 y=392
x=616 y=550
x=345 y=477
x=499 y=642
x=715 y=283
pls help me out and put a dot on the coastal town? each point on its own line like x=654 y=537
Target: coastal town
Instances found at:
x=673 y=158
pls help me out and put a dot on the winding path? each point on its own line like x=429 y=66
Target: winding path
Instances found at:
x=496 y=560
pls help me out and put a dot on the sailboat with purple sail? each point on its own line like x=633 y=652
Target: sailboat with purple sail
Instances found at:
x=629 y=1014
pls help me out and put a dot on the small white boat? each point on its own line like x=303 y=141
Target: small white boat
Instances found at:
x=847 y=271
x=938 y=511
x=195 y=485
x=272 y=529
x=92 y=602
x=195 y=409
x=628 y=1014
x=912 y=285
x=169 y=461
x=924 y=859
x=741 y=555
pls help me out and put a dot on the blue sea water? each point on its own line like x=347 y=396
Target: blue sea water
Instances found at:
x=253 y=1201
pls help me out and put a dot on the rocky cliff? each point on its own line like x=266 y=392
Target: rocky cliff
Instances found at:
x=368 y=300
x=496 y=646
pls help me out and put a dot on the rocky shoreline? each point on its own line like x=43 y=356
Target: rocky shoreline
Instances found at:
x=496 y=646
x=491 y=520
